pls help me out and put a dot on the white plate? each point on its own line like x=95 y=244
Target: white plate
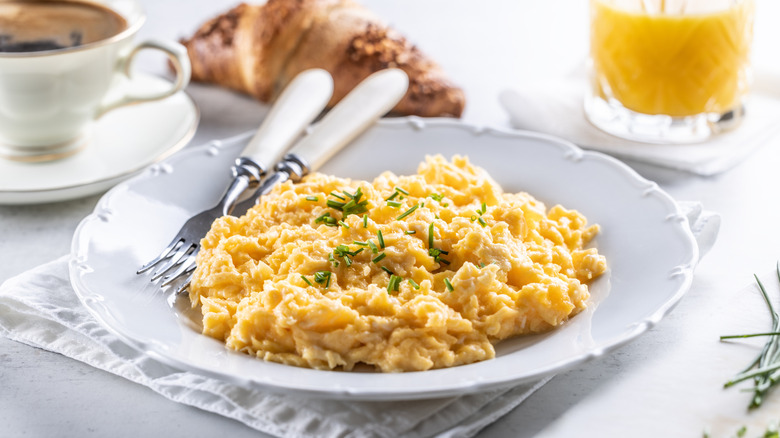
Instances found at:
x=123 y=142
x=645 y=237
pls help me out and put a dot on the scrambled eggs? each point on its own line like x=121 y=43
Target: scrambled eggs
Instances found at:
x=406 y=273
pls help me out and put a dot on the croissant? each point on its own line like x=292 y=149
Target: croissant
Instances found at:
x=258 y=49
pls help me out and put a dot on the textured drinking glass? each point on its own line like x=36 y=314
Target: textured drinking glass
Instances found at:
x=669 y=71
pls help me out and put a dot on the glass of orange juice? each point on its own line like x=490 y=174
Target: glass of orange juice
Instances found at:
x=669 y=71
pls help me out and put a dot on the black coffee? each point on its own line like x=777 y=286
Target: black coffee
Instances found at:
x=34 y=26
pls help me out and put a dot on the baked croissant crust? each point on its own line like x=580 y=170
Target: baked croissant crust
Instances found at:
x=259 y=49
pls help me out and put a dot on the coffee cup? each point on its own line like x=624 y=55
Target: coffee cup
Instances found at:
x=63 y=65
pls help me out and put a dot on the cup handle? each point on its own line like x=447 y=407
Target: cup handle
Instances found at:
x=176 y=53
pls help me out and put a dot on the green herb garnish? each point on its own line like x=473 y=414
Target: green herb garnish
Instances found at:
x=765 y=369
x=380 y=238
x=327 y=219
x=387 y=270
x=436 y=254
x=365 y=221
x=433 y=251
x=353 y=206
x=448 y=284
x=322 y=277
x=373 y=247
x=414 y=284
x=312 y=198
x=436 y=197
x=344 y=252
x=410 y=232
x=378 y=258
x=408 y=212
x=307 y=281
x=394 y=204
x=395 y=281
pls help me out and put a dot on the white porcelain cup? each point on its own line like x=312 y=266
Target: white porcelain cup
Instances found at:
x=50 y=99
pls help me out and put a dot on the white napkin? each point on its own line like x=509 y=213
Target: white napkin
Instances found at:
x=40 y=308
x=556 y=108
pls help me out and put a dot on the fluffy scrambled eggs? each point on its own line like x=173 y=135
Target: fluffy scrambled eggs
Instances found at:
x=406 y=273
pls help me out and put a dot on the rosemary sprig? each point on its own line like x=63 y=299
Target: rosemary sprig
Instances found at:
x=764 y=370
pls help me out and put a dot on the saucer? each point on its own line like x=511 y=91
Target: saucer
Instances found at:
x=123 y=142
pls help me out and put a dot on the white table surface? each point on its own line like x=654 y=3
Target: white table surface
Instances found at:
x=652 y=387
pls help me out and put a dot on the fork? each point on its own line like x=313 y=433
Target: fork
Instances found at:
x=364 y=105
x=298 y=105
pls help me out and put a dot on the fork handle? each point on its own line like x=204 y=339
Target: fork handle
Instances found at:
x=298 y=105
x=366 y=103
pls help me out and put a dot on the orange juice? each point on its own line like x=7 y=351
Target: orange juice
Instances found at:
x=677 y=64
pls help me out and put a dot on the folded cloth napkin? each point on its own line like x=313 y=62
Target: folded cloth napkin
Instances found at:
x=556 y=108
x=40 y=308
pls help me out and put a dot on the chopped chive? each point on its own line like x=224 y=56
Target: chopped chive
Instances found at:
x=481 y=265
x=343 y=224
x=392 y=285
x=373 y=247
x=408 y=212
x=394 y=204
x=335 y=204
x=323 y=277
x=436 y=254
x=381 y=239
x=387 y=270
x=353 y=206
x=307 y=281
x=344 y=252
x=473 y=218
x=378 y=258
x=482 y=222
x=365 y=221
x=430 y=235
x=312 y=198
x=436 y=197
x=326 y=219
x=391 y=197
x=359 y=243
x=414 y=284
x=448 y=284
x=410 y=232
x=398 y=189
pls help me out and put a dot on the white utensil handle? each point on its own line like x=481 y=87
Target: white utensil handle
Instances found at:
x=369 y=101
x=298 y=105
